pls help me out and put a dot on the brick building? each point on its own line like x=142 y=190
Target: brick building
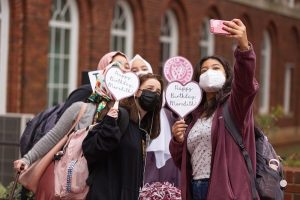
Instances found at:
x=45 y=45
x=39 y=32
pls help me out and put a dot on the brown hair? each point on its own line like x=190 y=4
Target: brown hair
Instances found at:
x=222 y=94
x=146 y=123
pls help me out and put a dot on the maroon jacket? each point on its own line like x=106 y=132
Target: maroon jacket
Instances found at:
x=229 y=177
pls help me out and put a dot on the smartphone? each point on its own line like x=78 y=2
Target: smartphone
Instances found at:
x=216 y=27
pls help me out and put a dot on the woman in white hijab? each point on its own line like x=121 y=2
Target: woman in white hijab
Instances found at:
x=159 y=165
x=139 y=65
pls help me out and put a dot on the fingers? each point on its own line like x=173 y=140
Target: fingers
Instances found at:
x=178 y=130
x=179 y=126
x=238 y=22
x=235 y=27
x=113 y=113
x=20 y=165
x=237 y=30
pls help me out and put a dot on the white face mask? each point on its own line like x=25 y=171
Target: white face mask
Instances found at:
x=212 y=80
x=141 y=73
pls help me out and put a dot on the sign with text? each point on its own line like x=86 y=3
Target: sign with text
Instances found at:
x=94 y=76
x=183 y=99
x=99 y=74
x=121 y=84
x=178 y=69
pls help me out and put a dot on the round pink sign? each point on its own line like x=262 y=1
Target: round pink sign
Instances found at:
x=178 y=69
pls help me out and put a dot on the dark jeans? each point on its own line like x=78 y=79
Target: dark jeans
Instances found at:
x=199 y=189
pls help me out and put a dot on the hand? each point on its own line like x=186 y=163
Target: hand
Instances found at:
x=113 y=112
x=20 y=165
x=237 y=30
x=178 y=130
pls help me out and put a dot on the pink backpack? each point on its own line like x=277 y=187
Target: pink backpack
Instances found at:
x=71 y=171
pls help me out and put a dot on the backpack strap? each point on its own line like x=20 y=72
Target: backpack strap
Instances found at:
x=79 y=115
x=237 y=137
x=71 y=130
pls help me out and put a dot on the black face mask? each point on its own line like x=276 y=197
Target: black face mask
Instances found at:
x=148 y=100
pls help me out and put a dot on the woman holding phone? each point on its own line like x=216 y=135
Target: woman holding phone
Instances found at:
x=212 y=166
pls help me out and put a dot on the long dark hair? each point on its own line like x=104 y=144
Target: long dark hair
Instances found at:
x=152 y=127
x=221 y=96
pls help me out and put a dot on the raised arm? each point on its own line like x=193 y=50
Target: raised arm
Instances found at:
x=244 y=85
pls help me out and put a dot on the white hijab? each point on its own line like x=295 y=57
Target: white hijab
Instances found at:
x=137 y=56
x=160 y=145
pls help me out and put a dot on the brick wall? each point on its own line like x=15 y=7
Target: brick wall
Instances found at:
x=16 y=57
x=33 y=90
x=292 y=191
x=29 y=42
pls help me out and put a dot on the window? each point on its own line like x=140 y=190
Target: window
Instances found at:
x=291 y=3
x=4 y=38
x=265 y=74
x=122 y=29
x=168 y=36
x=62 y=76
x=289 y=68
x=207 y=40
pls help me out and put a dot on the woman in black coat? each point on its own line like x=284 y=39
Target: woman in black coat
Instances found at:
x=116 y=158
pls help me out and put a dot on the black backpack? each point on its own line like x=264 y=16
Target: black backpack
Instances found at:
x=38 y=126
x=268 y=181
x=45 y=120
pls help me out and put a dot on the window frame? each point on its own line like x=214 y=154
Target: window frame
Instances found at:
x=128 y=33
x=288 y=78
x=208 y=43
x=4 y=45
x=265 y=70
x=73 y=27
x=173 y=39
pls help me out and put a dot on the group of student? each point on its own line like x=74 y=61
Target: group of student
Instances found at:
x=199 y=157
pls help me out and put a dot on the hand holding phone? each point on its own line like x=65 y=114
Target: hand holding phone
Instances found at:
x=216 y=27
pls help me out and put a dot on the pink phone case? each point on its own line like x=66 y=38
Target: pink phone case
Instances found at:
x=216 y=27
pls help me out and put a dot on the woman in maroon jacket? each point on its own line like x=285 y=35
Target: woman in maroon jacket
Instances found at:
x=212 y=166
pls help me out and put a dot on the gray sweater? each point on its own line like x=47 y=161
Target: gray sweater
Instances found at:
x=61 y=128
